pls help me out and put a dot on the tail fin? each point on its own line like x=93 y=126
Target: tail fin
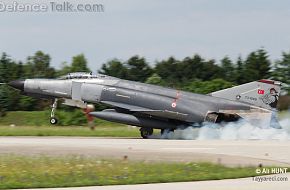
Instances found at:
x=263 y=93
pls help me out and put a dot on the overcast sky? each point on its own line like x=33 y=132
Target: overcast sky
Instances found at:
x=155 y=29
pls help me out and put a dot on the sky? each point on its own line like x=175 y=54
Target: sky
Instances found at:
x=155 y=29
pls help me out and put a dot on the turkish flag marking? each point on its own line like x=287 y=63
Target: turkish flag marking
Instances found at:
x=260 y=91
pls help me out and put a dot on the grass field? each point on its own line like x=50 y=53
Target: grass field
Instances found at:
x=41 y=171
x=104 y=131
x=41 y=118
x=36 y=123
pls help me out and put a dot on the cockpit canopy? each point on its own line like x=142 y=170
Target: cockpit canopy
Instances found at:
x=80 y=75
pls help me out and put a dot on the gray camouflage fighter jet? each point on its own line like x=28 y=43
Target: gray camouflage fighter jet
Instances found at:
x=154 y=107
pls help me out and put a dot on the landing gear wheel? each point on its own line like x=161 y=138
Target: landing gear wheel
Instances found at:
x=53 y=121
x=146 y=132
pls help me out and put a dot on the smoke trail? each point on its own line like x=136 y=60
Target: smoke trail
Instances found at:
x=188 y=133
x=244 y=130
x=232 y=131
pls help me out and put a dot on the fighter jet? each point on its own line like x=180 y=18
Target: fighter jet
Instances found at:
x=153 y=107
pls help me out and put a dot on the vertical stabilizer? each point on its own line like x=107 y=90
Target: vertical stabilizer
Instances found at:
x=263 y=93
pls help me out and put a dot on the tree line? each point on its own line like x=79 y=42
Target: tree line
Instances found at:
x=194 y=73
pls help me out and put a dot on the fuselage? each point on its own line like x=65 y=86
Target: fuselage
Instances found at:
x=147 y=99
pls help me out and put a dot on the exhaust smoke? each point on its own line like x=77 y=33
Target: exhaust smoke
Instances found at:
x=232 y=131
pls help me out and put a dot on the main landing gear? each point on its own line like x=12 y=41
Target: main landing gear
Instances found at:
x=53 y=119
x=146 y=132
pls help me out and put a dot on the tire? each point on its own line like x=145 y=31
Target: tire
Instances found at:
x=53 y=121
x=146 y=132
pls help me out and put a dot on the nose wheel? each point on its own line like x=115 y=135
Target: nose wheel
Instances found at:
x=53 y=120
x=146 y=132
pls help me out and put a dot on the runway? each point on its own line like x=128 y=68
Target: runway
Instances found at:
x=231 y=153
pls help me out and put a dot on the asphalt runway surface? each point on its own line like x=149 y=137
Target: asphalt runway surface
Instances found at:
x=231 y=152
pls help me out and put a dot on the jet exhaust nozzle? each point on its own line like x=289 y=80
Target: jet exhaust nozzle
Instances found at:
x=17 y=84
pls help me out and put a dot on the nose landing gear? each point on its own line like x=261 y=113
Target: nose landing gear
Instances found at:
x=53 y=119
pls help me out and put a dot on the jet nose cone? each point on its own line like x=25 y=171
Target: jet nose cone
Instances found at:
x=18 y=84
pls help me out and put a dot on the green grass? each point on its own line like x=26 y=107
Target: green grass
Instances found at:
x=41 y=118
x=25 y=118
x=23 y=123
x=42 y=171
x=101 y=131
x=284 y=115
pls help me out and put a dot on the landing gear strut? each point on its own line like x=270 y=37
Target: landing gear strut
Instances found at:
x=162 y=131
x=146 y=132
x=53 y=120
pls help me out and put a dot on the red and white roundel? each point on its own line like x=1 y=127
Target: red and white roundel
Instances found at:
x=173 y=104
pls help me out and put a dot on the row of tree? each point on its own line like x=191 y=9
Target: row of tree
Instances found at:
x=36 y=66
x=195 y=74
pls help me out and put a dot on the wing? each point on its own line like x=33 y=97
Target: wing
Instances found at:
x=159 y=113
